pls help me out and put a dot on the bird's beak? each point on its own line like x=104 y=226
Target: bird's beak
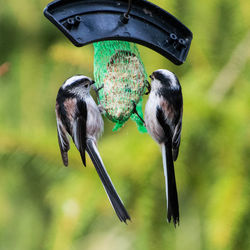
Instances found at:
x=151 y=77
x=92 y=82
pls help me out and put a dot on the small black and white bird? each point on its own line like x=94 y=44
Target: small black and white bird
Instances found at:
x=163 y=120
x=78 y=115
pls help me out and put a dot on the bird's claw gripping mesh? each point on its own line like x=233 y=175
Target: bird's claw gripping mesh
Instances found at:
x=118 y=66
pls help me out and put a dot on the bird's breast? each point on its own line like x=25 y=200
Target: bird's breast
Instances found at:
x=152 y=124
x=94 y=119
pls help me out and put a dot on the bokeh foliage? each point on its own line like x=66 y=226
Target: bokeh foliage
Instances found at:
x=46 y=206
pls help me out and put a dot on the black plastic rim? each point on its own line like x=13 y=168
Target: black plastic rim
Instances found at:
x=88 y=21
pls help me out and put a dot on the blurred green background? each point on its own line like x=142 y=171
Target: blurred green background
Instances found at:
x=44 y=205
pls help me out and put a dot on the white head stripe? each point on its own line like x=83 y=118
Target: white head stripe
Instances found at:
x=73 y=79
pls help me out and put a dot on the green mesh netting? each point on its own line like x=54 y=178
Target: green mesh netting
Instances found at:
x=118 y=66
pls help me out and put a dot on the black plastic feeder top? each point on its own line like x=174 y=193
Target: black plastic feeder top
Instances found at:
x=88 y=21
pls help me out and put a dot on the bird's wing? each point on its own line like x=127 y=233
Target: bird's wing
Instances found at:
x=79 y=129
x=173 y=117
x=177 y=121
x=177 y=139
x=63 y=142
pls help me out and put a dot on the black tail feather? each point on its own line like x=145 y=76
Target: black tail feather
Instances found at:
x=106 y=181
x=173 y=206
x=172 y=196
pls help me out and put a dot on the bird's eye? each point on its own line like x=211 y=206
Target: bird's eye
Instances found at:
x=86 y=85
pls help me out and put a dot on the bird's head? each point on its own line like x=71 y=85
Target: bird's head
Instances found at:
x=78 y=84
x=164 y=78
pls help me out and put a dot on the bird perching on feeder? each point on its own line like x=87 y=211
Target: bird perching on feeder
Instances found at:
x=114 y=27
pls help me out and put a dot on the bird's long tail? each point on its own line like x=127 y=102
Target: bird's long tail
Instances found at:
x=106 y=181
x=171 y=191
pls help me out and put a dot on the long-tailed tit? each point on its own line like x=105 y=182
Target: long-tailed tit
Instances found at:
x=163 y=119
x=77 y=115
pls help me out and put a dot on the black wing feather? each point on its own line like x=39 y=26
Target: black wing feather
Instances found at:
x=81 y=122
x=177 y=139
x=63 y=144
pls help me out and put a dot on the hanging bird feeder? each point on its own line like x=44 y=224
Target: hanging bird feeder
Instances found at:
x=114 y=26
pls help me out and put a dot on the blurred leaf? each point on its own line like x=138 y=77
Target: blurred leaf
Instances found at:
x=47 y=206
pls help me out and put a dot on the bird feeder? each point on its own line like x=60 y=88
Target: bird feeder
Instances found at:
x=115 y=27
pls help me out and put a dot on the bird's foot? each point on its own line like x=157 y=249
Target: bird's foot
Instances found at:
x=102 y=109
x=97 y=91
x=135 y=112
x=148 y=87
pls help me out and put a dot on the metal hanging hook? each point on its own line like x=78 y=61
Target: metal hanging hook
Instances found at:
x=125 y=16
x=129 y=9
